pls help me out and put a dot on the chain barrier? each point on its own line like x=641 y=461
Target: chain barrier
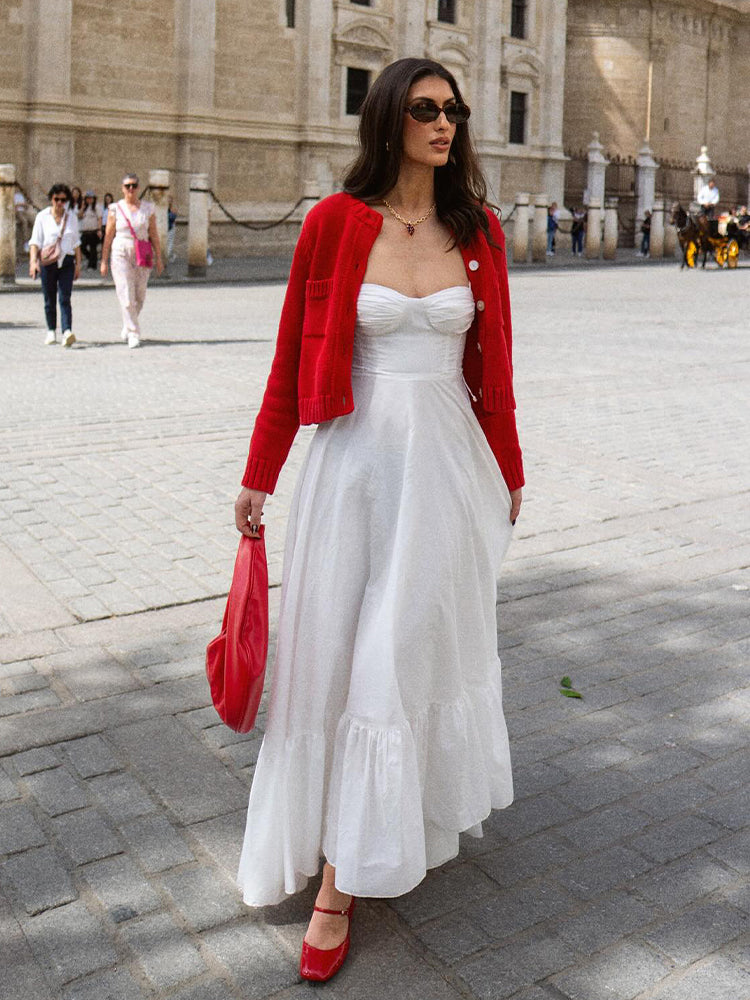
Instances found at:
x=27 y=197
x=263 y=226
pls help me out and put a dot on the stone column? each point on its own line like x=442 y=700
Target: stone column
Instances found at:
x=539 y=239
x=703 y=171
x=593 y=229
x=200 y=201
x=596 y=170
x=610 y=229
x=521 y=229
x=7 y=224
x=747 y=202
x=158 y=181
x=670 y=236
x=656 y=245
x=645 y=184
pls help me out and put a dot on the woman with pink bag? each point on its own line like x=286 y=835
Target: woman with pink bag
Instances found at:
x=133 y=240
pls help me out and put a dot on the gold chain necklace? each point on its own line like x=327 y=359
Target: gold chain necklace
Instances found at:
x=410 y=226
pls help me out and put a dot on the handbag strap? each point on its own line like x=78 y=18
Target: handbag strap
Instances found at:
x=63 y=224
x=130 y=225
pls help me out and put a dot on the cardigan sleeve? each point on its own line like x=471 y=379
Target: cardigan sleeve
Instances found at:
x=278 y=418
x=500 y=428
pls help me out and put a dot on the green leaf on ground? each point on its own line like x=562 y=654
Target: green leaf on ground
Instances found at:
x=566 y=688
x=566 y=682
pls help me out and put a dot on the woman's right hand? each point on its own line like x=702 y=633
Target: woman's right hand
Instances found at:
x=248 y=509
x=103 y=269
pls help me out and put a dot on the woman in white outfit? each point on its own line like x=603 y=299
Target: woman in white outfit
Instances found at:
x=385 y=735
x=127 y=220
x=57 y=226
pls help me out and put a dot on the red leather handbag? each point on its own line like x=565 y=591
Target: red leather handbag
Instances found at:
x=236 y=658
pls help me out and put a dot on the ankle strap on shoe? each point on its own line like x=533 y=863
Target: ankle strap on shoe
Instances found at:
x=335 y=913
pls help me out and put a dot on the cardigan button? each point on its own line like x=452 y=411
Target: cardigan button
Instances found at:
x=343 y=400
x=480 y=305
x=479 y=347
x=473 y=265
x=479 y=392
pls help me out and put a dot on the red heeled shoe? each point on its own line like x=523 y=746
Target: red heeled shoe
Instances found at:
x=321 y=964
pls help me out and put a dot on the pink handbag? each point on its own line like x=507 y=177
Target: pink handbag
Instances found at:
x=236 y=658
x=51 y=253
x=144 y=252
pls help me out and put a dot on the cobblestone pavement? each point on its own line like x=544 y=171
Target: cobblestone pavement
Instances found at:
x=622 y=870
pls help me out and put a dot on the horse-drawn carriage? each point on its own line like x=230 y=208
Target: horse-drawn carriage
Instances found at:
x=700 y=235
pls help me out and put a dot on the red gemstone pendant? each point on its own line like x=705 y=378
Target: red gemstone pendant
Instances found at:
x=410 y=229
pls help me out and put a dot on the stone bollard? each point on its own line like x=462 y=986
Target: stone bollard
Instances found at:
x=200 y=200
x=670 y=234
x=656 y=245
x=158 y=181
x=521 y=229
x=539 y=239
x=7 y=224
x=593 y=229
x=610 y=229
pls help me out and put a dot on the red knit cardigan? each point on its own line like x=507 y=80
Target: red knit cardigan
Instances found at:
x=310 y=380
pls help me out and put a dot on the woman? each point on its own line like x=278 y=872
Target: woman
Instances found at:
x=55 y=225
x=90 y=224
x=385 y=735
x=108 y=199
x=76 y=199
x=127 y=221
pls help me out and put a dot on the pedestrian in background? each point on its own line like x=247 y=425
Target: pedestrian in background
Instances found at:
x=55 y=252
x=171 y=223
x=553 y=221
x=90 y=224
x=76 y=199
x=577 y=230
x=108 y=199
x=128 y=221
x=645 y=235
x=708 y=198
x=385 y=735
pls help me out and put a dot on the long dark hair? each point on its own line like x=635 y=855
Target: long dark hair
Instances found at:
x=460 y=187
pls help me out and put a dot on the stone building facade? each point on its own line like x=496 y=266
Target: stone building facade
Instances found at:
x=262 y=96
x=700 y=77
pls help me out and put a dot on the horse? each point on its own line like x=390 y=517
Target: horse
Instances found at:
x=693 y=234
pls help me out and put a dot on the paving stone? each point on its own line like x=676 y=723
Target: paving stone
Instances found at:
x=179 y=769
x=222 y=838
x=503 y=971
x=18 y=829
x=516 y=909
x=604 y=922
x=114 y=984
x=85 y=836
x=166 y=955
x=440 y=890
x=156 y=843
x=529 y=816
x=732 y=810
x=599 y=872
x=620 y=973
x=698 y=932
x=8 y=789
x=594 y=790
x=717 y=979
x=726 y=774
x=733 y=851
x=452 y=938
x=121 y=796
x=20 y=973
x=203 y=897
x=35 y=760
x=676 y=837
x=251 y=957
x=525 y=859
x=56 y=791
x=37 y=880
x=683 y=881
x=679 y=795
x=121 y=888
x=604 y=827
x=90 y=756
x=69 y=942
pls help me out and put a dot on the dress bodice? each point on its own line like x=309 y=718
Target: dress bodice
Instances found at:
x=397 y=334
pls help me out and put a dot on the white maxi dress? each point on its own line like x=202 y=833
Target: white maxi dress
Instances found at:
x=385 y=735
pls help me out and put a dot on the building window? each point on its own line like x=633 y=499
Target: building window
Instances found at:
x=447 y=11
x=290 y=12
x=357 y=85
x=518 y=18
x=517 y=117
x=362 y=3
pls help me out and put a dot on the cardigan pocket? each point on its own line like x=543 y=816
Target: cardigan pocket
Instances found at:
x=317 y=297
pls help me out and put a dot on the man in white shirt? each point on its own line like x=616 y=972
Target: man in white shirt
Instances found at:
x=708 y=198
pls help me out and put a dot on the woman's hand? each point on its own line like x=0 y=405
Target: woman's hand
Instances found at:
x=248 y=509
x=159 y=264
x=515 y=504
x=77 y=272
x=33 y=268
x=103 y=269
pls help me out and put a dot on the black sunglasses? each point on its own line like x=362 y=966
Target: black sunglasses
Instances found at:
x=428 y=111
x=130 y=185
x=60 y=197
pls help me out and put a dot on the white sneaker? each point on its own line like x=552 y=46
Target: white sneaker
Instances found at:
x=134 y=341
x=68 y=338
x=124 y=335
x=50 y=338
